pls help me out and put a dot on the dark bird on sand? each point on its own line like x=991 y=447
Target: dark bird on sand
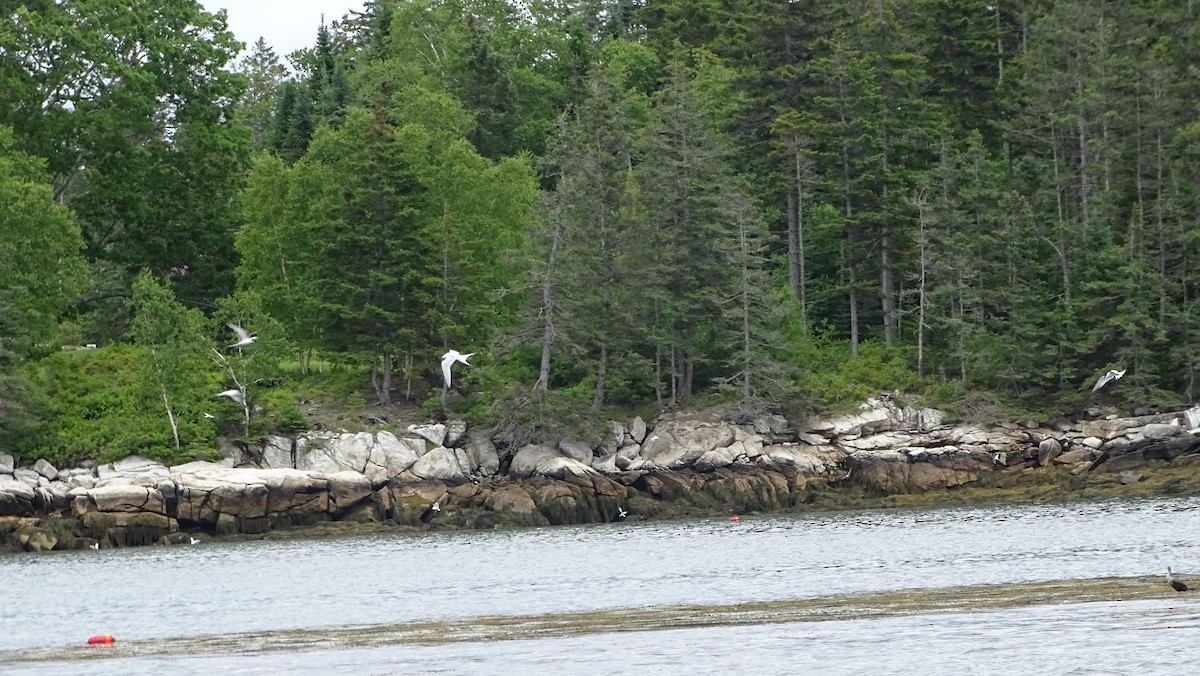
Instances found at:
x=1175 y=584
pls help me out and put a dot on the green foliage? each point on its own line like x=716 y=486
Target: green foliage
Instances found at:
x=179 y=369
x=832 y=379
x=96 y=408
x=133 y=112
x=41 y=270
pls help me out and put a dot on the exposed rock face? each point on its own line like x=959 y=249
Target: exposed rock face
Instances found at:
x=684 y=463
x=447 y=464
x=677 y=444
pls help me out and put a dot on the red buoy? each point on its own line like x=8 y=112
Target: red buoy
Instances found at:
x=101 y=639
x=736 y=519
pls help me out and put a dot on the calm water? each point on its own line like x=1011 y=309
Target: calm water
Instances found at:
x=61 y=598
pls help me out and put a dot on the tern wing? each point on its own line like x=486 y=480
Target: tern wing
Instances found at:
x=1103 y=381
x=241 y=333
x=446 y=362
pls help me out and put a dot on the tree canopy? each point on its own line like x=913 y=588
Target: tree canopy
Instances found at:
x=623 y=203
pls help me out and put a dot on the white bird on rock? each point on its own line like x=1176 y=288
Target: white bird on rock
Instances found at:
x=448 y=359
x=244 y=338
x=1104 y=379
x=235 y=395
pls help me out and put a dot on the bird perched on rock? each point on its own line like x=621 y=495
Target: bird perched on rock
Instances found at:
x=244 y=338
x=431 y=511
x=235 y=395
x=448 y=359
x=1104 y=379
x=1175 y=584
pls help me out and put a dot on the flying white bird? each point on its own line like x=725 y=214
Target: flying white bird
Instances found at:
x=448 y=359
x=209 y=415
x=1104 y=379
x=235 y=395
x=243 y=337
x=621 y=514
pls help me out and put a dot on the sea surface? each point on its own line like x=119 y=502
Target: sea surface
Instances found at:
x=696 y=596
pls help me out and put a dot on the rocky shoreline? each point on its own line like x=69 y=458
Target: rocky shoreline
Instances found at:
x=685 y=464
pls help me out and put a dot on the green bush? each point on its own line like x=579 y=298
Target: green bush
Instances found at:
x=833 y=379
x=96 y=407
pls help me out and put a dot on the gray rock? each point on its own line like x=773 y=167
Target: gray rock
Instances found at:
x=770 y=424
x=1192 y=418
x=614 y=439
x=637 y=430
x=131 y=467
x=276 y=452
x=1126 y=461
x=347 y=489
x=436 y=434
x=808 y=460
x=629 y=456
x=676 y=444
x=16 y=497
x=27 y=476
x=812 y=439
x=1160 y=430
x=53 y=498
x=456 y=432
x=128 y=498
x=45 y=469
x=446 y=464
x=1048 y=450
x=484 y=458
x=391 y=455
x=560 y=467
x=7 y=464
x=81 y=481
x=606 y=464
x=576 y=450
x=330 y=453
x=524 y=464
x=217 y=497
x=717 y=457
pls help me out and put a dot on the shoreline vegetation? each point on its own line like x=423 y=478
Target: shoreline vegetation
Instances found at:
x=687 y=465
x=498 y=628
x=229 y=273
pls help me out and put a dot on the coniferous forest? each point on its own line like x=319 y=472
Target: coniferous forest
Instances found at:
x=616 y=205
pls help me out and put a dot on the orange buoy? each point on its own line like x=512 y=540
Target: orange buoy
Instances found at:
x=736 y=519
x=101 y=639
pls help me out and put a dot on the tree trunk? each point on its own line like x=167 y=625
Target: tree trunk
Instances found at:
x=746 y=351
x=388 y=363
x=543 y=381
x=601 y=374
x=923 y=260
x=170 y=415
x=796 y=242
